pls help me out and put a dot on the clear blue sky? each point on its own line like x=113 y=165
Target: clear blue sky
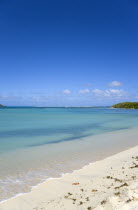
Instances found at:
x=68 y=52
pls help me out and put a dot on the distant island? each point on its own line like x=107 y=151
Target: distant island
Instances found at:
x=126 y=105
x=2 y=105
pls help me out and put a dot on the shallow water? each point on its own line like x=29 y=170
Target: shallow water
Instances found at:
x=38 y=143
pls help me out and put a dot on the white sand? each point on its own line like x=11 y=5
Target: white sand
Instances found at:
x=108 y=184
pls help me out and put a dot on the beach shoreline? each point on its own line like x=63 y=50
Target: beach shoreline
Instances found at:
x=44 y=148
x=83 y=154
x=73 y=190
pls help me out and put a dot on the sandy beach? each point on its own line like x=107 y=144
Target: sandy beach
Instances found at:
x=108 y=184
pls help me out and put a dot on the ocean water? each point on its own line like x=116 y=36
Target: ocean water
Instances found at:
x=39 y=143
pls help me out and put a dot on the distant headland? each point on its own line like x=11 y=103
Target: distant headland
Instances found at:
x=2 y=105
x=126 y=105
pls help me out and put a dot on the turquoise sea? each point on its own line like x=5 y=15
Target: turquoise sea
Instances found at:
x=39 y=143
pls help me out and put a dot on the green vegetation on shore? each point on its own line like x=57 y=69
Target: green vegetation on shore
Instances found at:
x=2 y=105
x=126 y=105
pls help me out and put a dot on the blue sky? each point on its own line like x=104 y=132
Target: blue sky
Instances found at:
x=68 y=52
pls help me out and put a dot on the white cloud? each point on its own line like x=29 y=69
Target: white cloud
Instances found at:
x=7 y=97
x=88 y=84
x=84 y=91
x=110 y=92
x=67 y=92
x=98 y=91
x=115 y=84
